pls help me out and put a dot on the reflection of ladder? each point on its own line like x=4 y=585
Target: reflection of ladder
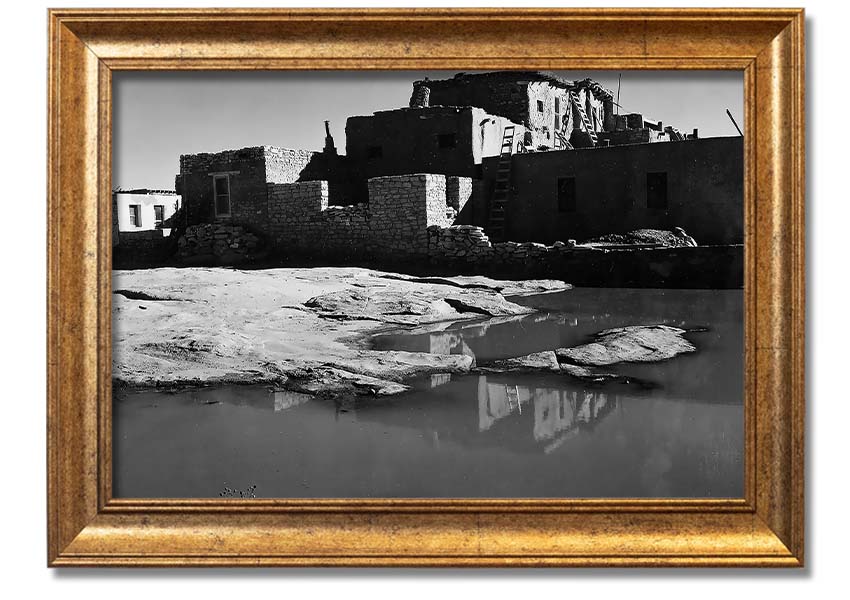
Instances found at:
x=512 y=392
x=588 y=126
x=500 y=186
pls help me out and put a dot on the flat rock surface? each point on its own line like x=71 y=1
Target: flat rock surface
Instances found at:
x=628 y=344
x=637 y=343
x=523 y=287
x=539 y=361
x=302 y=328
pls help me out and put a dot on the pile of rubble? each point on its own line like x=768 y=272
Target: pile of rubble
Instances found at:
x=227 y=244
x=460 y=242
x=470 y=244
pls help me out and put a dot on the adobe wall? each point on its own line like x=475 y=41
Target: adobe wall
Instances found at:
x=705 y=192
x=146 y=202
x=408 y=139
x=515 y=96
x=497 y=93
x=631 y=136
x=544 y=124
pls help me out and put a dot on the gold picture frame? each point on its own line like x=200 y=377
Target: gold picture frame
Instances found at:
x=87 y=527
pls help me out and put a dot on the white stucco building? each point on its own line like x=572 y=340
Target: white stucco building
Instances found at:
x=144 y=209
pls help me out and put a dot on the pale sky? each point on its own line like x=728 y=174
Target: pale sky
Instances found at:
x=160 y=115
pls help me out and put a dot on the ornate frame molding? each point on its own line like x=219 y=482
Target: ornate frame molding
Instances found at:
x=87 y=527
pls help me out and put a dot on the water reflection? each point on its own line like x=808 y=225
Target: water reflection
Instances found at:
x=557 y=412
x=514 y=416
x=499 y=435
x=570 y=318
x=284 y=399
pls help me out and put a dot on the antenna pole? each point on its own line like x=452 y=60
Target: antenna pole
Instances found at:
x=619 y=79
x=731 y=118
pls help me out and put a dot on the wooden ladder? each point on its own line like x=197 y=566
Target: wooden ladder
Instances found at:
x=501 y=186
x=588 y=126
x=561 y=141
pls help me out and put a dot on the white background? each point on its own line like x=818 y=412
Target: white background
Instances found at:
x=24 y=39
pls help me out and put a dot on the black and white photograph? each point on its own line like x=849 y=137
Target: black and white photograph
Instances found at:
x=428 y=284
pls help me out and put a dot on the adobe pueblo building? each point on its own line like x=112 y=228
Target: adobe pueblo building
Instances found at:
x=488 y=170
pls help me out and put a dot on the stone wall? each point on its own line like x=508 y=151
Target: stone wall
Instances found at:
x=300 y=219
x=469 y=244
x=286 y=165
x=218 y=243
x=401 y=209
x=141 y=247
x=249 y=171
x=458 y=192
x=465 y=248
x=394 y=225
x=246 y=169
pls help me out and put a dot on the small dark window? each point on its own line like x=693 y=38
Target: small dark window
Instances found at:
x=135 y=215
x=158 y=210
x=566 y=194
x=374 y=152
x=540 y=106
x=447 y=140
x=221 y=187
x=557 y=106
x=656 y=191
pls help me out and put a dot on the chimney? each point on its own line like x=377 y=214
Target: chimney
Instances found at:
x=330 y=147
x=421 y=96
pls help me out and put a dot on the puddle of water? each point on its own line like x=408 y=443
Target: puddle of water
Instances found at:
x=506 y=435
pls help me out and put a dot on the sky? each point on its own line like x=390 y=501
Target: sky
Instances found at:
x=159 y=115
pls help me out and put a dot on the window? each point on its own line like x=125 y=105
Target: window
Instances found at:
x=656 y=191
x=557 y=105
x=158 y=211
x=566 y=194
x=540 y=106
x=374 y=152
x=447 y=140
x=221 y=188
x=135 y=215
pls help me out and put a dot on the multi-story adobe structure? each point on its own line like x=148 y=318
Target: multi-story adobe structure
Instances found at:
x=528 y=156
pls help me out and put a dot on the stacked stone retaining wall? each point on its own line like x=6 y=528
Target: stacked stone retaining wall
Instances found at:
x=218 y=243
x=465 y=248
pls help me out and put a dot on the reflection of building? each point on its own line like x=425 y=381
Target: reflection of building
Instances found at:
x=440 y=379
x=556 y=411
x=284 y=399
x=518 y=417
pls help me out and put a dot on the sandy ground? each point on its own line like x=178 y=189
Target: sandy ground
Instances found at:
x=303 y=329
